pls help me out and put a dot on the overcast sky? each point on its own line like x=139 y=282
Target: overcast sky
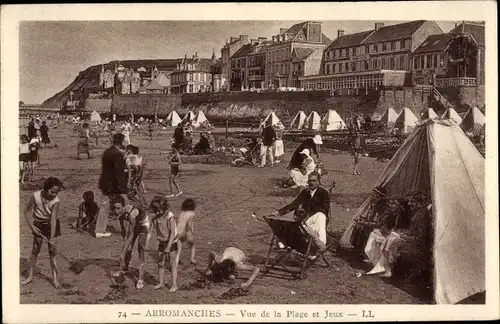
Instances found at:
x=52 y=53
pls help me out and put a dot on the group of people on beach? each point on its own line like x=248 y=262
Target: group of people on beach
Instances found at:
x=123 y=199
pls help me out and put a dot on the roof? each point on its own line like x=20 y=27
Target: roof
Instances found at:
x=476 y=30
x=295 y=29
x=243 y=51
x=433 y=43
x=350 y=40
x=394 y=32
x=203 y=64
x=302 y=53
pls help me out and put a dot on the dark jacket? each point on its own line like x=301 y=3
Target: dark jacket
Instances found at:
x=179 y=135
x=320 y=202
x=268 y=136
x=297 y=158
x=113 y=180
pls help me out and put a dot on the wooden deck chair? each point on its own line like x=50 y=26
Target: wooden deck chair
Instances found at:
x=293 y=235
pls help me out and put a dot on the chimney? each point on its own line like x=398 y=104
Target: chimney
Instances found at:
x=253 y=41
x=340 y=33
x=244 y=38
x=233 y=39
x=261 y=39
x=456 y=24
x=378 y=25
x=282 y=30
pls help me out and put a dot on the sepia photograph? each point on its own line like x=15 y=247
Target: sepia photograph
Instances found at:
x=267 y=162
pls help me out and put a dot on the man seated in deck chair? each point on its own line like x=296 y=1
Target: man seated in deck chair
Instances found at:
x=315 y=202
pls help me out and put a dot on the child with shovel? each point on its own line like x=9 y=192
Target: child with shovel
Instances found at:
x=45 y=225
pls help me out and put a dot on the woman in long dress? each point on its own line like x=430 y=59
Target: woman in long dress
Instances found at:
x=279 y=149
x=83 y=142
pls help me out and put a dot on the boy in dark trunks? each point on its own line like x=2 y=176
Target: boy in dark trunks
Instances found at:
x=138 y=229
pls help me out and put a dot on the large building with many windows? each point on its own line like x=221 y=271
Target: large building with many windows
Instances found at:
x=370 y=59
x=233 y=44
x=193 y=75
x=279 y=60
x=248 y=66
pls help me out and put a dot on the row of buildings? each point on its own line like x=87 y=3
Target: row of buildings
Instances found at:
x=302 y=56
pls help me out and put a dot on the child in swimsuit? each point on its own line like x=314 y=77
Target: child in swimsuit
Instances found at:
x=24 y=157
x=138 y=229
x=174 y=159
x=87 y=212
x=45 y=225
x=166 y=233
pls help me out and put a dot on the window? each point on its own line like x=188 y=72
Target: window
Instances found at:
x=429 y=61
x=416 y=60
x=358 y=50
x=407 y=43
x=341 y=67
x=393 y=46
x=375 y=65
x=328 y=69
x=202 y=77
x=424 y=44
x=402 y=63
x=379 y=47
x=337 y=53
x=383 y=64
x=367 y=49
x=392 y=63
x=384 y=47
x=190 y=77
x=347 y=67
x=191 y=88
x=422 y=62
x=343 y=52
x=334 y=68
x=441 y=61
x=353 y=66
x=401 y=44
x=367 y=66
x=435 y=42
x=435 y=61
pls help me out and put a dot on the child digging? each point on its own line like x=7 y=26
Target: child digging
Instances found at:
x=138 y=229
x=87 y=213
x=166 y=231
x=46 y=224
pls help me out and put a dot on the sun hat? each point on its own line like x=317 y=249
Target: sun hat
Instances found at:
x=317 y=139
x=305 y=152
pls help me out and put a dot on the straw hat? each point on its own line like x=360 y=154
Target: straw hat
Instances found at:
x=305 y=152
x=317 y=139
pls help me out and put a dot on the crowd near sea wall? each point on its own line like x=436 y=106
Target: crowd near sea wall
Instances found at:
x=252 y=106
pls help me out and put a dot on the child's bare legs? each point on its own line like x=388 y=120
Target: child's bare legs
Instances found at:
x=143 y=187
x=161 y=270
x=190 y=241
x=140 y=248
x=172 y=181
x=174 y=261
x=37 y=244
x=53 y=265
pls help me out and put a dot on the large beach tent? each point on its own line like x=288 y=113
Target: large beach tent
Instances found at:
x=406 y=121
x=439 y=160
x=452 y=114
x=313 y=121
x=189 y=117
x=389 y=117
x=200 y=120
x=473 y=121
x=298 y=121
x=428 y=113
x=271 y=119
x=95 y=117
x=173 y=119
x=332 y=121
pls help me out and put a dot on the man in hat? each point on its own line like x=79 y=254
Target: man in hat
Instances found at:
x=363 y=227
x=312 y=144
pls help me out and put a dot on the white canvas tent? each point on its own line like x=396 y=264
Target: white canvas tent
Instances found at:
x=428 y=113
x=439 y=160
x=95 y=117
x=389 y=117
x=452 y=114
x=406 y=122
x=313 y=121
x=200 y=120
x=189 y=117
x=473 y=121
x=173 y=119
x=332 y=121
x=272 y=120
x=298 y=121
